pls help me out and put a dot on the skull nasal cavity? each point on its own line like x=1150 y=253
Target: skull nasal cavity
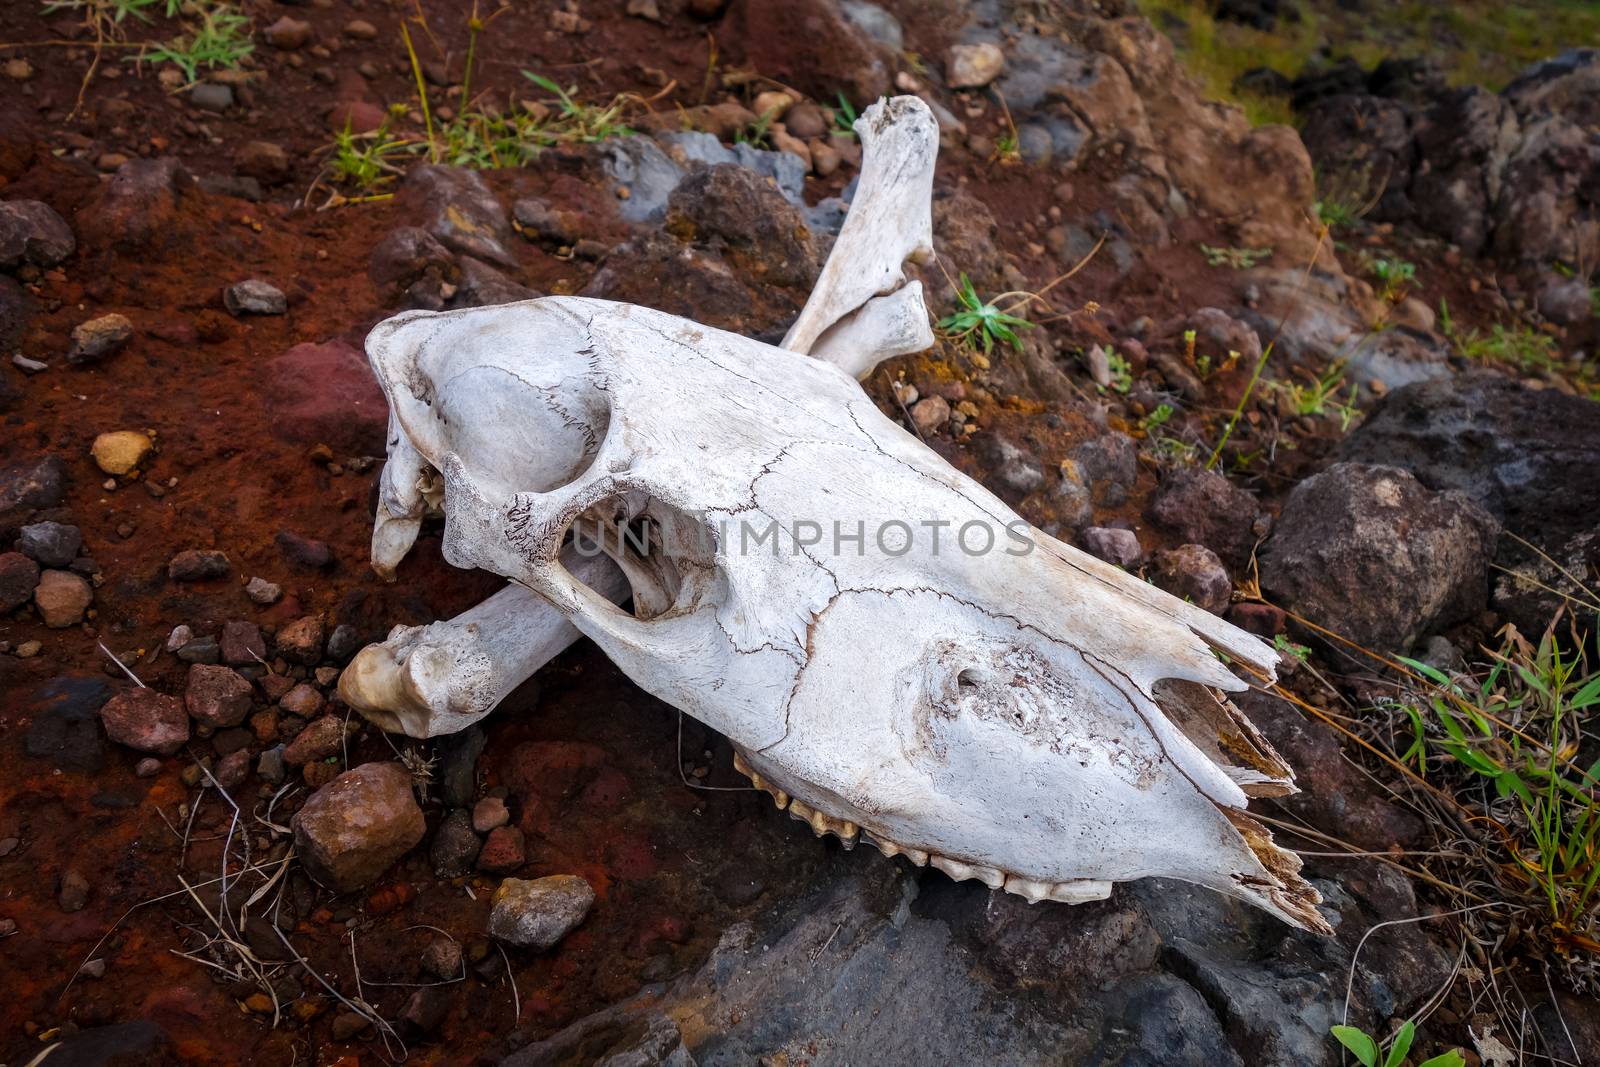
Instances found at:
x=668 y=556
x=548 y=433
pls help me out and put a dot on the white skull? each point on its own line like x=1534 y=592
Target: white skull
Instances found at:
x=1025 y=715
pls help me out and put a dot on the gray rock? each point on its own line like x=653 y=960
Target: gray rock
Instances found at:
x=96 y=339
x=483 y=286
x=876 y=23
x=410 y=262
x=270 y=766
x=1016 y=472
x=261 y=591
x=1194 y=573
x=1375 y=556
x=1108 y=465
x=50 y=544
x=1113 y=545
x=64 y=722
x=538 y=221
x=458 y=766
x=254 y=297
x=1566 y=301
x=537 y=914
x=30 y=486
x=210 y=96
x=455 y=846
x=1072 y=497
x=459 y=209
x=31 y=232
x=1202 y=507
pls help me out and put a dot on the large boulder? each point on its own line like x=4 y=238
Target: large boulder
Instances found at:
x=354 y=828
x=1374 y=555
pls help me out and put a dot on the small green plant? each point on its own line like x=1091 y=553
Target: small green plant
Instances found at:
x=1121 y=373
x=363 y=160
x=117 y=11
x=1156 y=419
x=1518 y=724
x=754 y=133
x=1282 y=643
x=1519 y=346
x=1237 y=258
x=1368 y=1053
x=844 y=118
x=581 y=123
x=1396 y=275
x=217 y=36
x=1335 y=214
x=1321 y=396
x=981 y=322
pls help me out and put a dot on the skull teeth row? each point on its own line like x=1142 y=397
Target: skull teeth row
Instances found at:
x=849 y=833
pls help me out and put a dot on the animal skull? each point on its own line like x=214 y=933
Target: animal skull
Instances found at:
x=1013 y=711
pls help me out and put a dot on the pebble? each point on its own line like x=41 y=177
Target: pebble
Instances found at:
x=455 y=847
x=148 y=767
x=120 y=451
x=972 y=66
x=9 y=845
x=1194 y=573
x=318 y=741
x=270 y=768
x=200 y=650
x=31 y=232
x=303 y=700
x=254 y=297
x=806 y=121
x=73 y=892
x=262 y=591
x=210 y=96
x=344 y=642
x=233 y=769
x=773 y=103
x=7 y=927
x=98 y=338
x=537 y=914
x=147 y=721
x=930 y=414
x=181 y=635
x=347 y=1025
x=62 y=597
x=301 y=640
x=504 y=851
x=489 y=814
x=1114 y=545
x=242 y=644
x=217 y=696
x=360 y=30
x=353 y=829
x=93 y=969
x=18 y=70
x=29 y=649
x=198 y=565
x=288 y=34
x=304 y=551
x=442 y=958
x=262 y=160
x=19 y=577
x=50 y=544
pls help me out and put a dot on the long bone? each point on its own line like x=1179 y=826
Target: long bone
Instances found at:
x=434 y=680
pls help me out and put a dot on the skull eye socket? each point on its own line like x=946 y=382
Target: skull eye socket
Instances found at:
x=668 y=557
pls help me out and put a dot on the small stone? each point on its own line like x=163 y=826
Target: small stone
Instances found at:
x=304 y=551
x=73 y=891
x=29 y=649
x=318 y=741
x=343 y=643
x=504 y=851
x=537 y=914
x=93 y=969
x=270 y=768
x=261 y=591
x=537 y=220
x=148 y=767
x=1194 y=573
x=288 y=34
x=354 y=828
x=242 y=645
x=806 y=121
x=972 y=66
x=301 y=641
x=207 y=96
x=217 y=696
x=264 y=161
x=425 y=1011
x=19 y=577
x=198 y=565
x=1114 y=545
x=254 y=297
x=455 y=847
x=348 y=1024
x=18 y=70
x=489 y=814
x=303 y=700
x=98 y=338
x=360 y=30
x=930 y=414
x=50 y=544
x=442 y=959
x=62 y=597
x=181 y=635
x=147 y=721
x=120 y=451
x=233 y=769
x=31 y=232
x=201 y=650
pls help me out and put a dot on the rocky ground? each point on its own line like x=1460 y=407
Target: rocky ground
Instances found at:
x=192 y=440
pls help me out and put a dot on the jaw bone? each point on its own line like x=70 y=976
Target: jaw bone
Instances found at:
x=1038 y=720
x=434 y=680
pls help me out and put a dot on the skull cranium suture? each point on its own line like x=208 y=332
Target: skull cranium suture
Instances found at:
x=993 y=713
